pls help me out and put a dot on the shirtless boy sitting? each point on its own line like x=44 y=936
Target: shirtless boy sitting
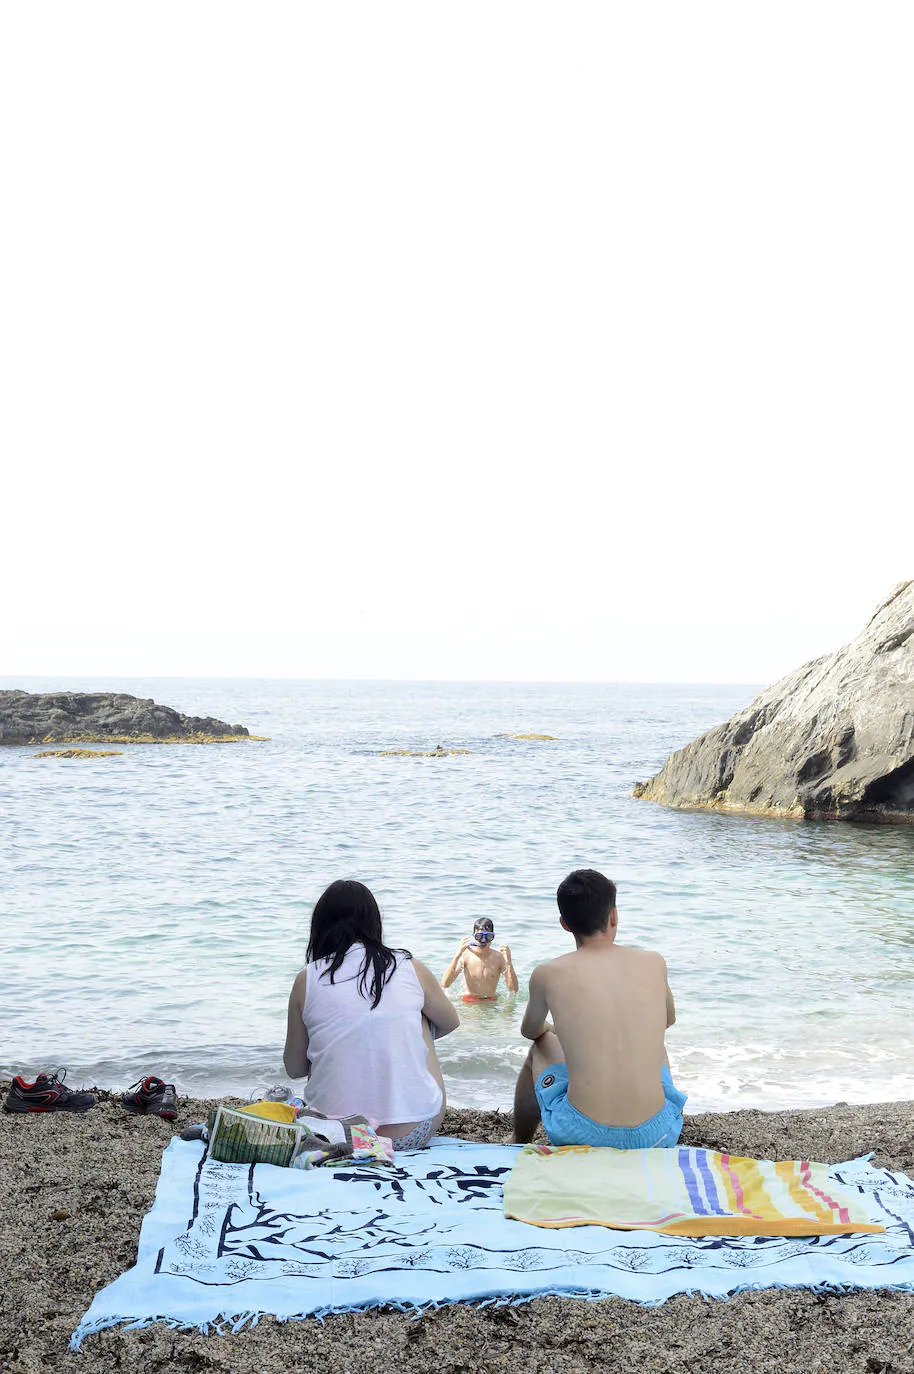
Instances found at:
x=601 y=1076
x=481 y=964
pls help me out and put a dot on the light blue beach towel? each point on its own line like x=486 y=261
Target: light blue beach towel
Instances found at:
x=227 y=1243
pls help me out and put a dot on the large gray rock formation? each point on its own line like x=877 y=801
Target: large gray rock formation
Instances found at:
x=68 y=717
x=833 y=740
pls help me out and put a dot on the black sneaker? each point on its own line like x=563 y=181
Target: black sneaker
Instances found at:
x=152 y=1097
x=46 y=1094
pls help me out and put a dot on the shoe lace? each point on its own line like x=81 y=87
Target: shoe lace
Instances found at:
x=150 y=1084
x=56 y=1080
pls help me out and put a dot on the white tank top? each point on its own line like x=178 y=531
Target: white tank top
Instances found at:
x=364 y=1060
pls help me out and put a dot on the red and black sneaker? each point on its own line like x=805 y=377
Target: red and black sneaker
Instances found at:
x=152 y=1097
x=46 y=1094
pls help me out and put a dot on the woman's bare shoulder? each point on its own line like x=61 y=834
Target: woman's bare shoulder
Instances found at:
x=299 y=987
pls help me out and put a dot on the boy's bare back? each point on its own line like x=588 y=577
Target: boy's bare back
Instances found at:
x=611 y=1006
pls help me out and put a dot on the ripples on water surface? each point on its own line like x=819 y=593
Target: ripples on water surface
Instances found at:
x=155 y=906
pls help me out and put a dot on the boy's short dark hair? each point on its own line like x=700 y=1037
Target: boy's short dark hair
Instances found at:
x=484 y=923
x=585 y=900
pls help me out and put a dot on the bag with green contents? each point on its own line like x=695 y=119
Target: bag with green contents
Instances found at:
x=238 y=1136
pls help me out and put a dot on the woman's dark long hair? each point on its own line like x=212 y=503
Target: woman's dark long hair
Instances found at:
x=345 y=915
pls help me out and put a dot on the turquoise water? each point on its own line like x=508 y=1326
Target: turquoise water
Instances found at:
x=154 y=907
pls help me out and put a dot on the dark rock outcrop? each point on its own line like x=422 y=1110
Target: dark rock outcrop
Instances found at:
x=81 y=717
x=833 y=740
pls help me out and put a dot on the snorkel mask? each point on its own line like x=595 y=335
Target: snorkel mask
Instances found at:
x=483 y=937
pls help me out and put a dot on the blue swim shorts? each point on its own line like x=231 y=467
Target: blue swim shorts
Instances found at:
x=565 y=1125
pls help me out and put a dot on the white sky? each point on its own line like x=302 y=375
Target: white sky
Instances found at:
x=487 y=340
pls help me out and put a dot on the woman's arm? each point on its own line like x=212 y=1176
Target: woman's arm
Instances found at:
x=437 y=1009
x=295 y=1055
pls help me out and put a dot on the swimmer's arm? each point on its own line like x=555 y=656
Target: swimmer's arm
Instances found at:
x=437 y=1009
x=534 y=1022
x=455 y=967
x=511 y=982
x=295 y=1055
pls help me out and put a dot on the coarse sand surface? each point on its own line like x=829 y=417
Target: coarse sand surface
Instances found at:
x=74 y=1190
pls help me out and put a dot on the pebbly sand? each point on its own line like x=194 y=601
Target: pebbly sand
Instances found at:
x=74 y=1190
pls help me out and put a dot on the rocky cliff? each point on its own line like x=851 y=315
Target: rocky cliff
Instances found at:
x=833 y=740
x=78 y=717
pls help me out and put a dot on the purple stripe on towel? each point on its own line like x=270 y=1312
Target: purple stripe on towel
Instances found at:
x=710 y=1185
x=692 y=1184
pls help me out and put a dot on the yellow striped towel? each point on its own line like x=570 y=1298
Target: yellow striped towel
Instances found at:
x=680 y=1192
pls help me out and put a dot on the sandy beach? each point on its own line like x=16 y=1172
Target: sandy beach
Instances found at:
x=75 y=1190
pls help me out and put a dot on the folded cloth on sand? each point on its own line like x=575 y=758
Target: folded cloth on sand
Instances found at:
x=275 y=1133
x=223 y=1245
x=332 y=1140
x=680 y=1192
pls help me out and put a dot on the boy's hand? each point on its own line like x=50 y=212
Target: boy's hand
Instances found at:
x=506 y=951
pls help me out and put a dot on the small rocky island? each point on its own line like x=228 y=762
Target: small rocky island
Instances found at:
x=104 y=718
x=832 y=741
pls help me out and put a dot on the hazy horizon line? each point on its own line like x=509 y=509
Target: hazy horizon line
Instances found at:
x=413 y=681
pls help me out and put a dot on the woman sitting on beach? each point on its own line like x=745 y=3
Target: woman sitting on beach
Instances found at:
x=362 y=1023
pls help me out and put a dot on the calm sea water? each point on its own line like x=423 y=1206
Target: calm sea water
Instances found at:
x=154 y=907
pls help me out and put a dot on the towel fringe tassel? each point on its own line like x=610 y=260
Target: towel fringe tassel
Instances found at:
x=233 y=1323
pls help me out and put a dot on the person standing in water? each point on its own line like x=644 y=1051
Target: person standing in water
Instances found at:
x=481 y=964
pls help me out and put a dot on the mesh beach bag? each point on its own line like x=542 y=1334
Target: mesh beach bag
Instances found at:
x=237 y=1137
